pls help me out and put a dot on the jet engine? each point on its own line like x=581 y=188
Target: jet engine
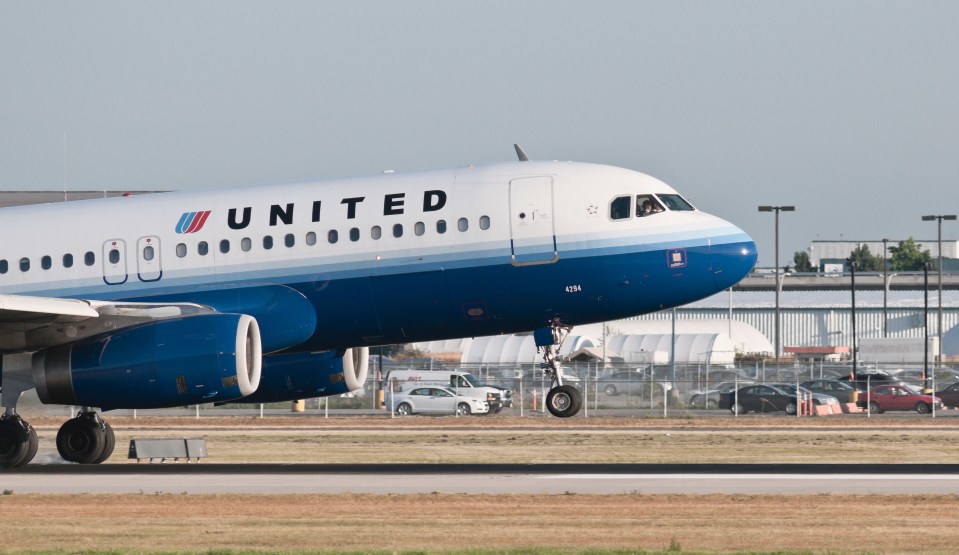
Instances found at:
x=164 y=363
x=295 y=376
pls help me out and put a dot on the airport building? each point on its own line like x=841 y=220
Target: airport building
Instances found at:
x=830 y=256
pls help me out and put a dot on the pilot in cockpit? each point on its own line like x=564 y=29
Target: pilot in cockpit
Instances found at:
x=648 y=206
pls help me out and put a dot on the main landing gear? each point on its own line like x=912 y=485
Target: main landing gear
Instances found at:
x=562 y=400
x=84 y=439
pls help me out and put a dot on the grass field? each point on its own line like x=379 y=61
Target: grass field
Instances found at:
x=441 y=523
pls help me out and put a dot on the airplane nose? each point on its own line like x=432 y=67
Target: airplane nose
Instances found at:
x=733 y=257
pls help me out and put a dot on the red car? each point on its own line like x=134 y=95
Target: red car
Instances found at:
x=898 y=397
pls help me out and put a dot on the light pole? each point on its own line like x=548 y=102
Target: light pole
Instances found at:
x=939 y=269
x=885 y=288
x=777 y=210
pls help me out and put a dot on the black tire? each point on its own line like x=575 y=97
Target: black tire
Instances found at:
x=791 y=409
x=81 y=440
x=111 y=442
x=463 y=409
x=404 y=409
x=34 y=445
x=737 y=408
x=610 y=390
x=15 y=439
x=923 y=408
x=874 y=407
x=564 y=401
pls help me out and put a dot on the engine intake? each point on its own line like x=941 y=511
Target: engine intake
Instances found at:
x=306 y=375
x=165 y=363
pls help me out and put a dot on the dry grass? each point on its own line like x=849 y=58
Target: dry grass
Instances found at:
x=440 y=523
x=612 y=440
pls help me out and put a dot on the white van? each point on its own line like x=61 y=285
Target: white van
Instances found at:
x=497 y=397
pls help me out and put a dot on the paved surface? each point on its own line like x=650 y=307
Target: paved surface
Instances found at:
x=475 y=479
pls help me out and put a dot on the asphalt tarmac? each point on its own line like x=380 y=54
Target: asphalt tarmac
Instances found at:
x=478 y=479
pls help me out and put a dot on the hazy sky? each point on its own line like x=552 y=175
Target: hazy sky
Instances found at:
x=848 y=110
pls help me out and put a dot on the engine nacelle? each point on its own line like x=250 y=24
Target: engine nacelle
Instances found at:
x=308 y=375
x=166 y=363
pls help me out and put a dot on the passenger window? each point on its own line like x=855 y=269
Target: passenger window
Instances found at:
x=4 y=267
x=246 y=244
x=676 y=202
x=462 y=224
x=114 y=256
x=397 y=230
x=484 y=222
x=376 y=232
x=354 y=234
x=289 y=240
x=68 y=261
x=180 y=250
x=332 y=236
x=46 y=262
x=267 y=242
x=441 y=226
x=647 y=205
x=89 y=258
x=202 y=248
x=148 y=253
x=225 y=246
x=311 y=238
x=620 y=208
x=419 y=228
x=24 y=264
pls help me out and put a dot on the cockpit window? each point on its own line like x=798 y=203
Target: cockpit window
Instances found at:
x=620 y=208
x=647 y=205
x=676 y=202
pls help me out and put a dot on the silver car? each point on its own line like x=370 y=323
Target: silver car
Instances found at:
x=436 y=400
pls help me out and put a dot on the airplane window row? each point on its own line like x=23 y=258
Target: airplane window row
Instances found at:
x=332 y=236
x=621 y=208
x=46 y=262
x=246 y=244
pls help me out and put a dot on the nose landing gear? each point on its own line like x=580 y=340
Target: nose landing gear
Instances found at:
x=563 y=400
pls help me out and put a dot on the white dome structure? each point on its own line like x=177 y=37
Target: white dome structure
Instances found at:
x=691 y=348
x=502 y=349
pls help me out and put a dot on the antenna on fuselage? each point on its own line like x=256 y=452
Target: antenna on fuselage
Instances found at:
x=520 y=153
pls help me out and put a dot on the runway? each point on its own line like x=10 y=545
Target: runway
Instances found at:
x=767 y=479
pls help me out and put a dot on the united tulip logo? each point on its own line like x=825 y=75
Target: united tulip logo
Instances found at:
x=191 y=222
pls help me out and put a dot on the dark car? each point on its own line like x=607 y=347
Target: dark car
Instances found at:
x=839 y=389
x=950 y=395
x=760 y=398
x=864 y=380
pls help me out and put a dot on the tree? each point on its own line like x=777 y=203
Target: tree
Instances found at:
x=907 y=257
x=801 y=260
x=865 y=260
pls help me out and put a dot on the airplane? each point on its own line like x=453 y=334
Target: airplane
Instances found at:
x=275 y=293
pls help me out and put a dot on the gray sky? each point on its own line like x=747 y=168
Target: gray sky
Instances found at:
x=848 y=110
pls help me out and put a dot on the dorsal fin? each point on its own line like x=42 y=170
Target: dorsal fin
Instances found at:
x=520 y=153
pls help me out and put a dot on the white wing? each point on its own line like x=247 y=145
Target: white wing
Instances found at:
x=34 y=323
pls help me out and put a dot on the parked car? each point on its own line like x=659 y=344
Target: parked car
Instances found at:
x=760 y=398
x=898 y=397
x=710 y=398
x=629 y=382
x=915 y=375
x=841 y=390
x=437 y=400
x=865 y=380
x=949 y=395
x=817 y=398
